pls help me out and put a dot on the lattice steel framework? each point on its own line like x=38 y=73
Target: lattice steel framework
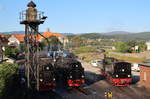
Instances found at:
x=32 y=18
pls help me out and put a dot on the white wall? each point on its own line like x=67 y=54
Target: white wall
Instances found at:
x=13 y=40
x=148 y=46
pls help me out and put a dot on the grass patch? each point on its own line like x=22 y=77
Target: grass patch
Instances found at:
x=88 y=57
x=85 y=49
x=126 y=58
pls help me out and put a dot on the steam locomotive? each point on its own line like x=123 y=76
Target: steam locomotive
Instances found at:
x=47 y=77
x=118 y=72
x=69 y=71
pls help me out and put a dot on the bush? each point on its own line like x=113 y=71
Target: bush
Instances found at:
x=11 y=52
x=7 y=71
x=123 y=47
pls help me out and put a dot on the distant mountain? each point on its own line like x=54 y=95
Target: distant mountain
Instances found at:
x=118 y=32
x=13 y=32
x=67 y=34
x=23 y=32
x=130 y=36
x=120 y=35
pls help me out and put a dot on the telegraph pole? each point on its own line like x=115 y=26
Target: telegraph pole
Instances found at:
x=32 y=18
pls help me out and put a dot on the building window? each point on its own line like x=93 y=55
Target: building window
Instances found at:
x=145 y=76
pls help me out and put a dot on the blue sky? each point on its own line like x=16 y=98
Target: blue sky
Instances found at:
x=81 y=16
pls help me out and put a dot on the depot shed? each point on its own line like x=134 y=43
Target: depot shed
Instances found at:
x=145 y=74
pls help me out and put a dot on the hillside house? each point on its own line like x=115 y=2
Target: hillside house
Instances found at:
x=148 y=45
x=3 y=43
x=4 y=40
x=63 y=39
x=16 y=40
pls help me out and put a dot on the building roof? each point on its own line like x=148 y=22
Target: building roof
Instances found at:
x=145 y=64
x=19 y=37
x=50 y=34
x=31 y=4
x=3 y=38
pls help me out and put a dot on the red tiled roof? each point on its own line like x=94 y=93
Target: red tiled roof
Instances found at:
x=19 y=37
x=45 y=34
x=50 y=34
x=3 y=38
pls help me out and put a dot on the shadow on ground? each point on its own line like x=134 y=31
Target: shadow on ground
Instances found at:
x=92 y=77
x=11 y=89
x=136 y=79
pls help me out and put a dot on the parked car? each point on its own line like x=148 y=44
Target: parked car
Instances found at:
x=20 y=56
x=10 y=60
x=135 y=67
x=96 y=63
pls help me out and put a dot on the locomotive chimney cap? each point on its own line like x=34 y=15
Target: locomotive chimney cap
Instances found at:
x=31 y=4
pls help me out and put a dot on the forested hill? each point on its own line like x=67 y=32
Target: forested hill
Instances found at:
x=131 y=36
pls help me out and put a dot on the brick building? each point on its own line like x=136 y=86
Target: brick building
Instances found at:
x=145 y=74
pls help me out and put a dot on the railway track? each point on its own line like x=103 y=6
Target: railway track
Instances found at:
x=84 y=90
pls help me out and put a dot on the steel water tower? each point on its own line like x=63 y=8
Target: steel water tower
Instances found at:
x=32 y=18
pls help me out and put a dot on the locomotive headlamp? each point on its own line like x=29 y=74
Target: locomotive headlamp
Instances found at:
x=129 y=75
x=47 y=68
x=70 y=76
x=116 y=75
x=122 y=70
x=82 y=76
x=54 y=79
x=41 y=80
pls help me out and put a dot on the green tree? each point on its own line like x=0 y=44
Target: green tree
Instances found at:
x=7 y=71
x=77 y=41
x=142 y=46
x=123 y=47
x=54 y=43
x=11 y=52
x=22 y=47
x=132 y=43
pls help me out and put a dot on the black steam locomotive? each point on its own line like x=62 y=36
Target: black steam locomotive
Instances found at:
x=69 y=71
x=119 y=73
x=47 y=78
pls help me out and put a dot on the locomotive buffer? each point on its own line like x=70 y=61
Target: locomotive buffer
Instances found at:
x=32 y=18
